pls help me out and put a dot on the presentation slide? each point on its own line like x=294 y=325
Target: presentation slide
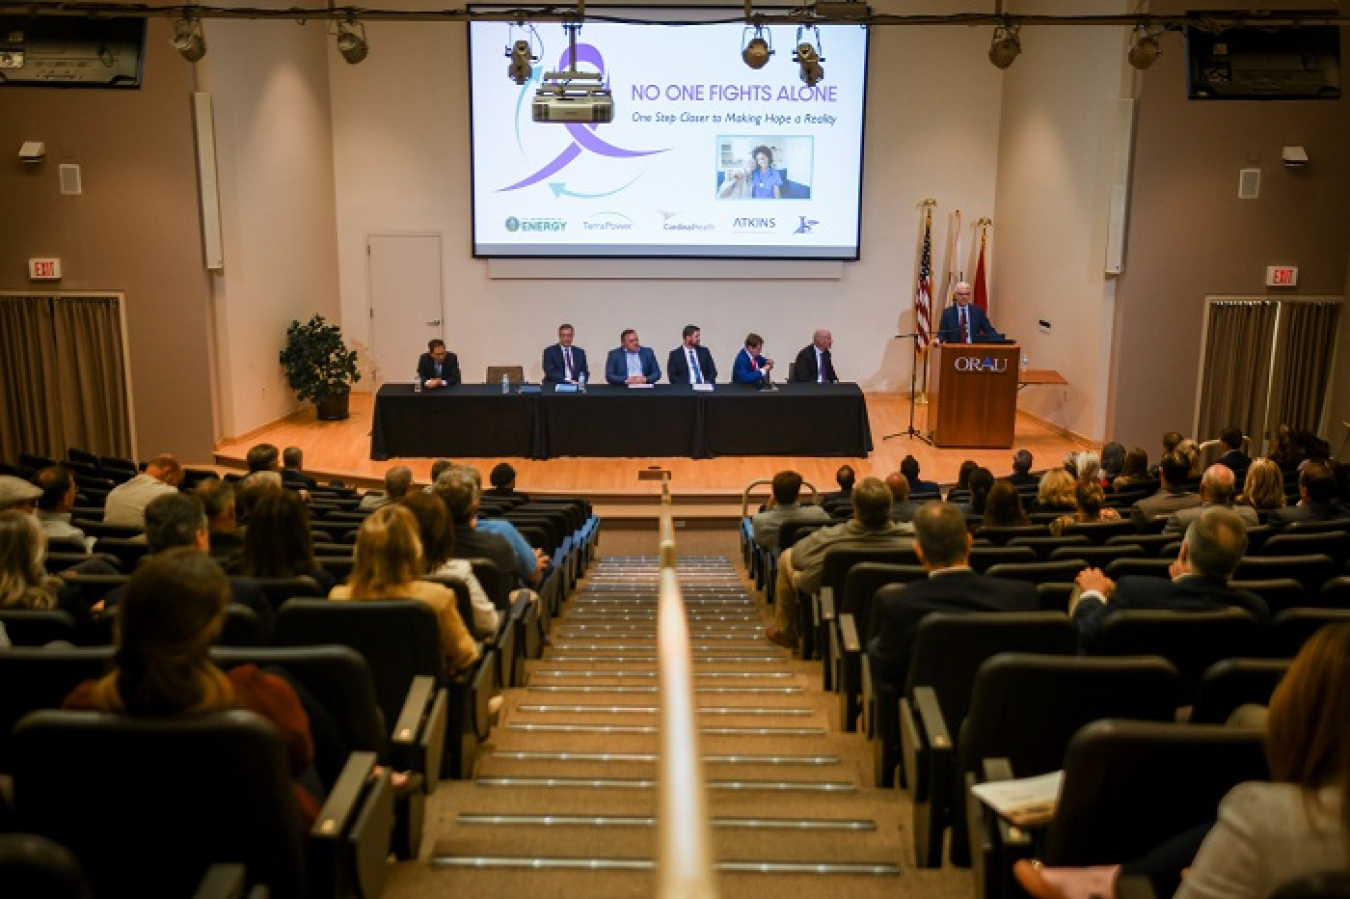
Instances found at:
x=705 y=156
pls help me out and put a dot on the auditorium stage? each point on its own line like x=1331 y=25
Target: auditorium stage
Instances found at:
x=341 y=450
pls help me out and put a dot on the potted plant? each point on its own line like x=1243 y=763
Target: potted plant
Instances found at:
x=319 y=367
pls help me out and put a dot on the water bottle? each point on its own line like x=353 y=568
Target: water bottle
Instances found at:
x=1026 y=363
x=417 y=383
x=506 y=384
x=581 y=382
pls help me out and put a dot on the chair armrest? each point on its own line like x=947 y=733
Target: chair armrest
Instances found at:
x=223 y=881
x=827 y=603
x=349 y=843
x=483 y=687
x=848 y=634
x=418 y=740
x=936 y=734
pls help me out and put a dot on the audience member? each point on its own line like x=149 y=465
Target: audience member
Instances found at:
x=1216 y=489
x=397 y=480
x=1089 y=498
x=1190 y=450
x=503 y=480
x=903 y=508
x=814 y=363
x=249 y=489
x=690 y=362
x=438 y=546
x=981 y=481
x=943 y=545
x=844 y=477
x=437 y=467
x=389 y=564
x=962 y=479
x=1134 y=471
x=909 y=467
x=750 y=367
x=530 y=564
x=1113 y=461
x=263 y=457
x=24 y=581
x=438 y=367
x=16 y=493
x=1056 y=492
x=787 y=488
x=1263 y=489
x=1234 y=458
x=1170 y=441
x=278 y=542
x=1172 y=496
x=125 y=504
x=1021 y=470
x=292 y=470
x=1088 y=467
x=801 y=567
x=1317 y=498
x=1214 y=544
x=630 y=362
x=171 y=611
x=54 y=505
x=563 y=362
x=217 y=496
x=457 y=488
x=1003 y=509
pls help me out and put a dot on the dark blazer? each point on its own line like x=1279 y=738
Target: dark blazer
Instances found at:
x=677 y=366
x=616 y=366
x=804 y=369
x=958 y=591
x=426 y=368
x=981 y=329
x=928 y=489
x=1307 y=512
x=1236 y=460
x=745 y=372
x=1188 y=593
x=291 y=477
x=1023 y=480
x=555 y=371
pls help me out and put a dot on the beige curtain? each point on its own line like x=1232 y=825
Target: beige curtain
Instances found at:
x=30 y=405
x=1236 y=375
x=1307 y=345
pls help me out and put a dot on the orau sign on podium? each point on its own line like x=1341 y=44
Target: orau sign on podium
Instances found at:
x=972 y=394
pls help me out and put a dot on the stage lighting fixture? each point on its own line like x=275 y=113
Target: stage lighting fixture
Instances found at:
x=351 y=43
x=521 y=68
x=1144 y=46
x=188 y=39
x=756 y=46
x=808 y=55
x=1006 y=45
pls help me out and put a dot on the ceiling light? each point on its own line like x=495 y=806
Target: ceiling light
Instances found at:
x=757 y=50
x=1006 y=45
x=188 y=39
x=521 y=68
x=808 y=55
x=351 y=44
x=1144 y=46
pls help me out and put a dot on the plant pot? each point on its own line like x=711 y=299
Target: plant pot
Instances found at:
x=334 y=407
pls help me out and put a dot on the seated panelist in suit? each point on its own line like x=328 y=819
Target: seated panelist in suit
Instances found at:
x=943 y=545
x=690 y=362
x=438 y=367
x=813 y=363
x=631 y=362
x=964 y=322
x=750 y=367
x=564 y=363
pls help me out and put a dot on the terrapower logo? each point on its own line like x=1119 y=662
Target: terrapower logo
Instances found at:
x=975 y=363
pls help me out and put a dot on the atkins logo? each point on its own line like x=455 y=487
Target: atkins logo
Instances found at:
x=755 y=224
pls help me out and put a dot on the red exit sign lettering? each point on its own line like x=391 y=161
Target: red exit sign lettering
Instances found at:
x=1281 y=276
x=44 y=269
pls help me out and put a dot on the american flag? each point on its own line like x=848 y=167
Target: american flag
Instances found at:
x=923 y=291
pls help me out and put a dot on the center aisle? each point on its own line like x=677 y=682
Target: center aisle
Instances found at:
x=564 y=797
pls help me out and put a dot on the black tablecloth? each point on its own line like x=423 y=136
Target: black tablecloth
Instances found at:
x=666 y=420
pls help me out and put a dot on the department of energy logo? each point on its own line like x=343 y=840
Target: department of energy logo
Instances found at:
x=514 y=225
x=806 y=225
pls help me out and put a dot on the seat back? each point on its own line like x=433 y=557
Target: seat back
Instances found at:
x=1152 y=543
x=950 y=647
x=496 y=583
x=1026 y=708
x=1046 y=545
x=1059 y=572
x=1290 y=629
x=838 y=562
x=399 y=638
x=1335 y=543
x=33 y=866
x=1231 y=683
x=1335 y=594
x=37 y=627
x=999 y=536
x=1278 y=593
x=1131 y=785
x=41 y=679
x=1101 y=531
x=515 y=374
x=1141 y=567
x=279 y=589
x=794 y=529
x=1099 y=556
x=982 y=558
x=1192 y=641
x=167 y=798
x=1312 y=571
x=862 y=583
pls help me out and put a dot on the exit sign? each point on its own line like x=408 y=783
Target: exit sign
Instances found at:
x=44 y=269
x=1281 y=276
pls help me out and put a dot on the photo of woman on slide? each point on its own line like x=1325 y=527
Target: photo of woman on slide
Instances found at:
x=766 y=181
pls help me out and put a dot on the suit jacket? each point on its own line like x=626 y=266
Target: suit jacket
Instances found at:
x=1182 y=519
x=1164 y=502
x=426 y=368
x=804 y=369
x=743 y=371
x=1188 y=593
x=555 y=369
x=1307 y=512
x=955 y=591
x=677 y=366
x=1236 y=460
x=616 y=365
x=981 y=328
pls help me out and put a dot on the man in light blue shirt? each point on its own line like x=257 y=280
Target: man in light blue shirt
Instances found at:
x=631 y=362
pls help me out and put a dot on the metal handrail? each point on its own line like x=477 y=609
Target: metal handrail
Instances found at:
x=684 y=857
x=745 y=494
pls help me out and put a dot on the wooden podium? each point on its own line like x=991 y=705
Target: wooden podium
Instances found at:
x=972 y=394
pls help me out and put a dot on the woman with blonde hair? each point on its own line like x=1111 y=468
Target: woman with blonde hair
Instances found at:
x=438 y=542
x=1263 y=489
x=389 y=563
x=24 y=582
x=1090 y=498
x=1056 y=492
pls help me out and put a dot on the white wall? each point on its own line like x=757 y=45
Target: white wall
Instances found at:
x=269 y=85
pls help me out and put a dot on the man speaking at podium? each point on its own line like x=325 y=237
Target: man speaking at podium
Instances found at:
x=963 y=322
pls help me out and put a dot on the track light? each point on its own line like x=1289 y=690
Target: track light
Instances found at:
x=188 y=39
x=1144 y=46
x=758 y=48
x=521 y=68
x=808 y=55
x=1006 y=45
x=351 y=44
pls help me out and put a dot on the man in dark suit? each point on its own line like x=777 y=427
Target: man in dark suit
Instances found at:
x=964 y=322
x=813 y=362
x=1021 y=474
x=292 y=470
x=1316 y=498
x=750 y=367
x=952 y=586
x=1214 y=544
x=631 y=363
x=1172 y=496
x=690 y=362
x=438 y=367
x=564 y=363
x=909 y=467
x=1234 y=458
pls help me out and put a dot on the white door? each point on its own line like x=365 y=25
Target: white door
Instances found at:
x=406 y=302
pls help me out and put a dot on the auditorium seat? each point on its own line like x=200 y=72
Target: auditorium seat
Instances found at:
x=1000 y=536
x=1153 y=544
x=1231 y=683
x=982 y=558
x=1293 y=627
x=1048 y=544
x=1335 y=544
x=38 y=627
x=34 y=867
x=853 y=624
x=1058 y=572
x=515 y=374
x=1192 y=641
x=1278 y=593
x=812 y=622
x=1136 y=567
x=1098 y=556
x=1101 y=531
x=1312 y=571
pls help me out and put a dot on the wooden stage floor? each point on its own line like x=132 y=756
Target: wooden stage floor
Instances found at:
x=342 y=450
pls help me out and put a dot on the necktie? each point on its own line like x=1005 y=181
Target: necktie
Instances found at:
x=567 y=360
x=965 y=326
x=438 y=369
x=822 y=360
x=693 y=367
